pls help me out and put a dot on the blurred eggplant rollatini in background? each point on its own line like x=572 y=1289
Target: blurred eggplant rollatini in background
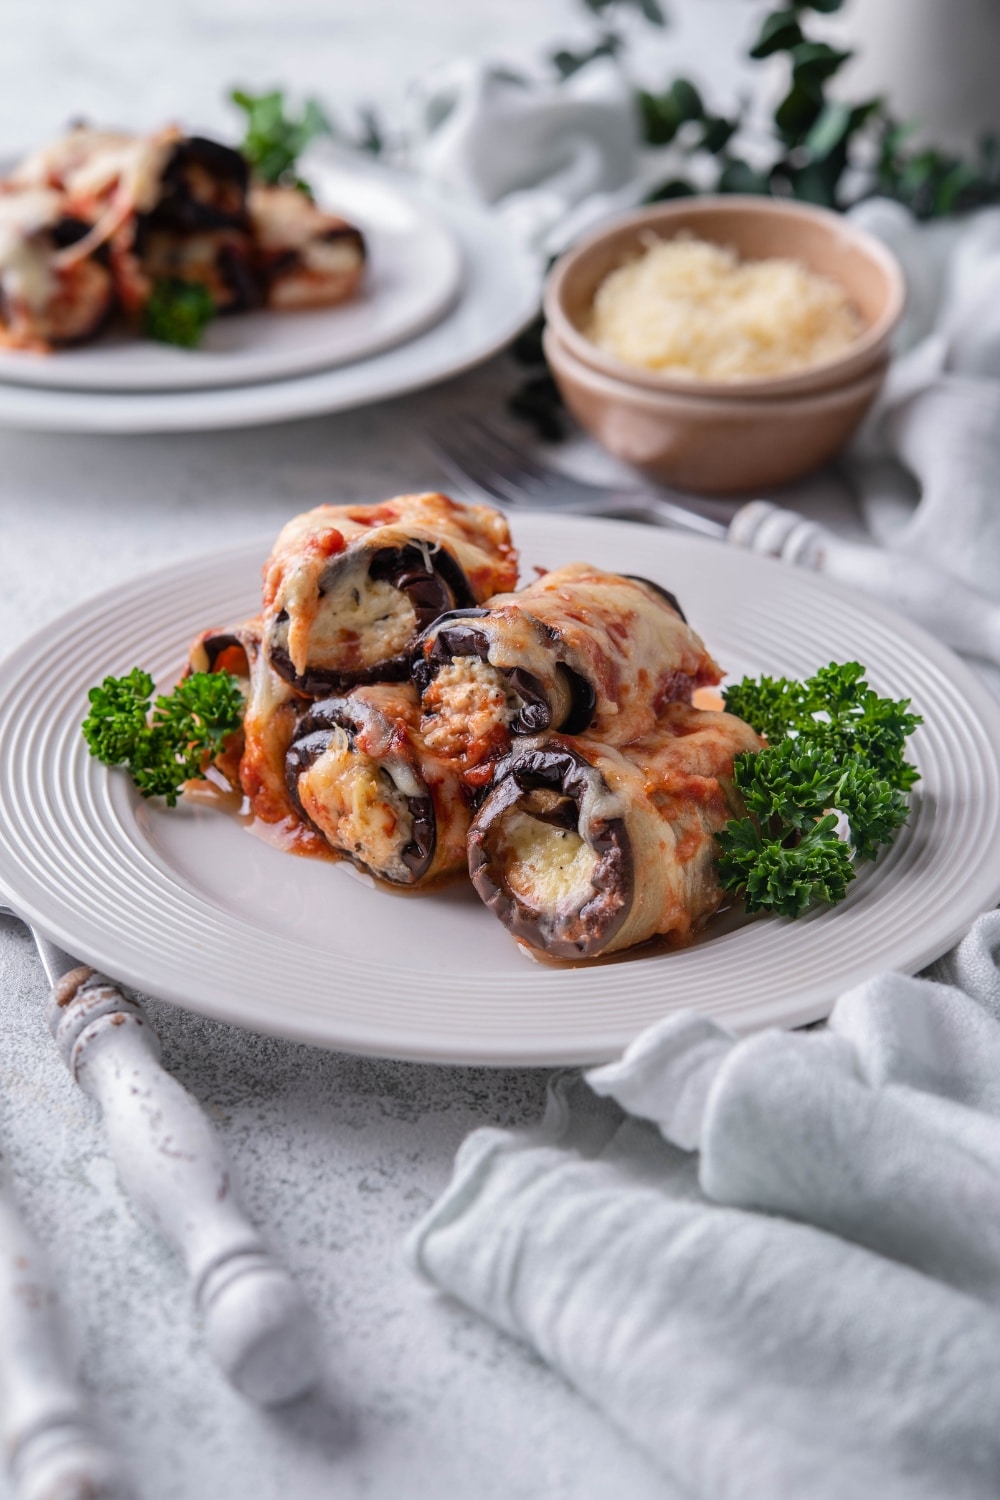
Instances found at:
x=99 y=222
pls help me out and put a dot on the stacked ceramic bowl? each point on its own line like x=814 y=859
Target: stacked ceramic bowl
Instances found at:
x=719 y=437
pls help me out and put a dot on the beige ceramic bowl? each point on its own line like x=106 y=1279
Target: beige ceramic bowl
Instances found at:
x=757 y=229
x=735 y=435
x=710 y=444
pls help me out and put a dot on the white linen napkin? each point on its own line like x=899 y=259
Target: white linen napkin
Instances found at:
x=808 y=1306
x=553 y=159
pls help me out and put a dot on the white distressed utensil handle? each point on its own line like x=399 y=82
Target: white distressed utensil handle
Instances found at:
x=52 y=1448
x=950 y=609
x=173 y=1166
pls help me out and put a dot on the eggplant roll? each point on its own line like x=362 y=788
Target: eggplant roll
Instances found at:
x=360 y=774
x=582 y=849
x=89 y=221
x=304 y=257
x=43 y=300
x=255 y=760
x=578 y=650
x=349 y=588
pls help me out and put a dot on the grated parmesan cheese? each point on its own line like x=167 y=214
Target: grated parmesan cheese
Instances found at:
x=687 y=307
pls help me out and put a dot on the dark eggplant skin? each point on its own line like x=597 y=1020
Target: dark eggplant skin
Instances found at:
x=181 y=207
x=659 y=589
x=454 y=635
x=214 y=645
x=433 y=591
x=555 y=767
x=313 y=732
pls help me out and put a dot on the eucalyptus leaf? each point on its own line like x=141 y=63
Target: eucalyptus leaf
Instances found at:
x=797 y=114
x=737 y=176
x=652 y=12
x=687 y=99
x=677 y=187
x=814 y=63
x=830 y=130
x=660 y=117
x=567 y=63
x=717 y=134
x=780 y=32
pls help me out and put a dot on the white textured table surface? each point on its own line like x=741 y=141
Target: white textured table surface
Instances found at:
x=337 y=1156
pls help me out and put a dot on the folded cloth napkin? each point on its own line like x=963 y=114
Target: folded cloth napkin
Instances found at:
x=775 y=1261
x=553 y=159
x=939 y=415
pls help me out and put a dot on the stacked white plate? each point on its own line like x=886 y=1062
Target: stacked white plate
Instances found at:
x=446 y=287
x=185 y=904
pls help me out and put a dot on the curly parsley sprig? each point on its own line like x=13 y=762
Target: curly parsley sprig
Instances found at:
x=834 y=747
x=175 y=742
x=178 y=312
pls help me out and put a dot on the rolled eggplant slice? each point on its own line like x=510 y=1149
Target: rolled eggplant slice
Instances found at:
x=88 y=222
x=304 y=257
x=349 y=588
x=582 y=849
x=360 y=775
x=202 y=186
x=220 y=260
x=579 y=650
x=44 y=303
x=255 y=760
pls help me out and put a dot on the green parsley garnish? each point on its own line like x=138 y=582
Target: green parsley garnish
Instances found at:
x=834 y=746
x=274 y=141
x=175 y=745
x=178 y=312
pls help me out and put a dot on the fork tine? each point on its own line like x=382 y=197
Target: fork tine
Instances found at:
x=546 y=476
x=507 y=457
x=467 y=471
x=465 y=455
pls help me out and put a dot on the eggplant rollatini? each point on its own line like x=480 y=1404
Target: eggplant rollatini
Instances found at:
x=578 y=650
x=349 y=588
x=254 y=760
x=583 y=849
x=304 y=257
x=90 y=221
x=360 y=774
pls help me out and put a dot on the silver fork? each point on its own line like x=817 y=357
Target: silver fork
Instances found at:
x=474 y=453
x=484 y=461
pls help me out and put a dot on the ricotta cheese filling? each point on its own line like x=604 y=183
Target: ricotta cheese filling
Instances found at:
x=468 y=708
x=356 y=622
x=548 y=868
x=358 y=807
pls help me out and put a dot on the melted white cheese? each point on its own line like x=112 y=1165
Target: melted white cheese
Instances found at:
x=358 y=808
x=551 y=869
x=25 y=264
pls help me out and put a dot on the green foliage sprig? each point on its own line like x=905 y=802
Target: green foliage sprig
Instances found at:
x=823 y=150
x=275 y=138
x=172 y=745
x=178 y=312
x=835 y=747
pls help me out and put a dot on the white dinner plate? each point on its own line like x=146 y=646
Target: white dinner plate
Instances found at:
x=413 y=275
x=187 y=905
x=498 y=293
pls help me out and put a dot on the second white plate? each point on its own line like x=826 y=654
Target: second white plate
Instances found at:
x=413 y=275
x=188 y=906
x=500 y=292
